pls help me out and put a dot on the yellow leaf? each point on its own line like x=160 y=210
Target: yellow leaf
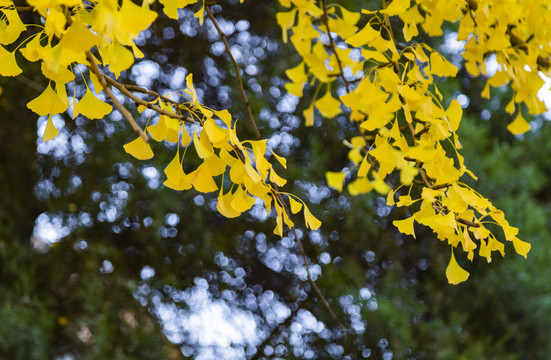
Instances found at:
x=275 y=178
x=139 y=149
x=202 y=148
x=241 y=200
x=309 y=116
x=92 y=107
x=47 y=103
x=202 y=180
x=396 y=7
x=335 y=179
x=158 y=131
x=519 y=125
x=225 y=116
x=8 y=65
x=521 y=247
x=50 y=132
x=295 y=205
x=311 y=221
x=78 y=37
x=215 y=164
x=328 y=106
x=360 y=186
x=455 y=273
x=454 y=114
x=405 y=226
x=215 y=133
x=121 y=59
x=298 y=77
x=439 y=66
x=280 y=159
x=224 y=205
x=12 y=25
x=363 y=37
x=286 y=20
x=171 y=7
x=134 y=18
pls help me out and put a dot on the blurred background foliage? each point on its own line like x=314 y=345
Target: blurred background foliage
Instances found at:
x=98 y=260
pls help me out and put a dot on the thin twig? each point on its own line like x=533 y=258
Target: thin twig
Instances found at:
x=151 y=106
x=142 y=90
x=237 y=72
x=29 y=82
x=305 y=259
x=332 y=43
x=125 y=113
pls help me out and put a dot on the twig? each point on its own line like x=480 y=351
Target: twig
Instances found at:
x=30 y=83
x=305 y=259
x=142 y=90
x=153 y=107
x=125 y=113
x=333 y=45
x=237 y=72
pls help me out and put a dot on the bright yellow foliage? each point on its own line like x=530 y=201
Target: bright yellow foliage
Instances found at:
x=386 y=89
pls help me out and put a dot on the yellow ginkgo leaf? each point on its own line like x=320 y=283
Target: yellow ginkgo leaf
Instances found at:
x=396 y=7
x=439 y=66
x=455 y=273
x=202 y=146
x=519 y=125
x=241 y=200
x=224 y=205
x=454 y=114
x=311 y=221
x=121 y=59
x=139 y=149
x=158 y=131
x=47 y=103
x=276 y=179
x=176 y=177
x=363 y=37
x=521 y=247
x=8 y=65
x=295 y=205
x=308 y=114
x=202 y=180
x=78 y=37
x=405 y=226
x=328 y=106
x=92 y=107
x=215 y=133
x=280 y=159
x=50 y=132
x=286 y=20
x=135 y=19
x=335 y=179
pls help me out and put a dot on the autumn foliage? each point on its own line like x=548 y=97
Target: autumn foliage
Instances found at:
x=364 y=64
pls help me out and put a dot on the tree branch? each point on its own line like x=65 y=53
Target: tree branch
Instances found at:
x=153 y=107
x=333 y=45
x=125 y=113
x=237 y=72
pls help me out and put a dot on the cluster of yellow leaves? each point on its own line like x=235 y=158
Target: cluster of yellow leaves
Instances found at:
x=514 y=32
x=404 y=127
x=73 y=29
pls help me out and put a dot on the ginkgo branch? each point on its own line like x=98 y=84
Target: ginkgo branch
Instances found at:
x=149 y=105
x=237 y=72
x=125 y=113
x=333 y=45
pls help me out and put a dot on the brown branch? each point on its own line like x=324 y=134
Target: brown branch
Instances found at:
x=153 y=107
x=422 y=131
x=142 y=90
x=125 y=113
x=333 y=45
x=29 y=82
x=467 y=222
x=237 y=72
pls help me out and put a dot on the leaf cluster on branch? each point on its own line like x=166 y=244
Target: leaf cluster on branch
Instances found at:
x=356 y=65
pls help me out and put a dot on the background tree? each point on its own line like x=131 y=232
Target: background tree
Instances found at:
x=132 y=263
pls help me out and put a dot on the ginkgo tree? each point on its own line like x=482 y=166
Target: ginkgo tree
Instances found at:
x=365 y=64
